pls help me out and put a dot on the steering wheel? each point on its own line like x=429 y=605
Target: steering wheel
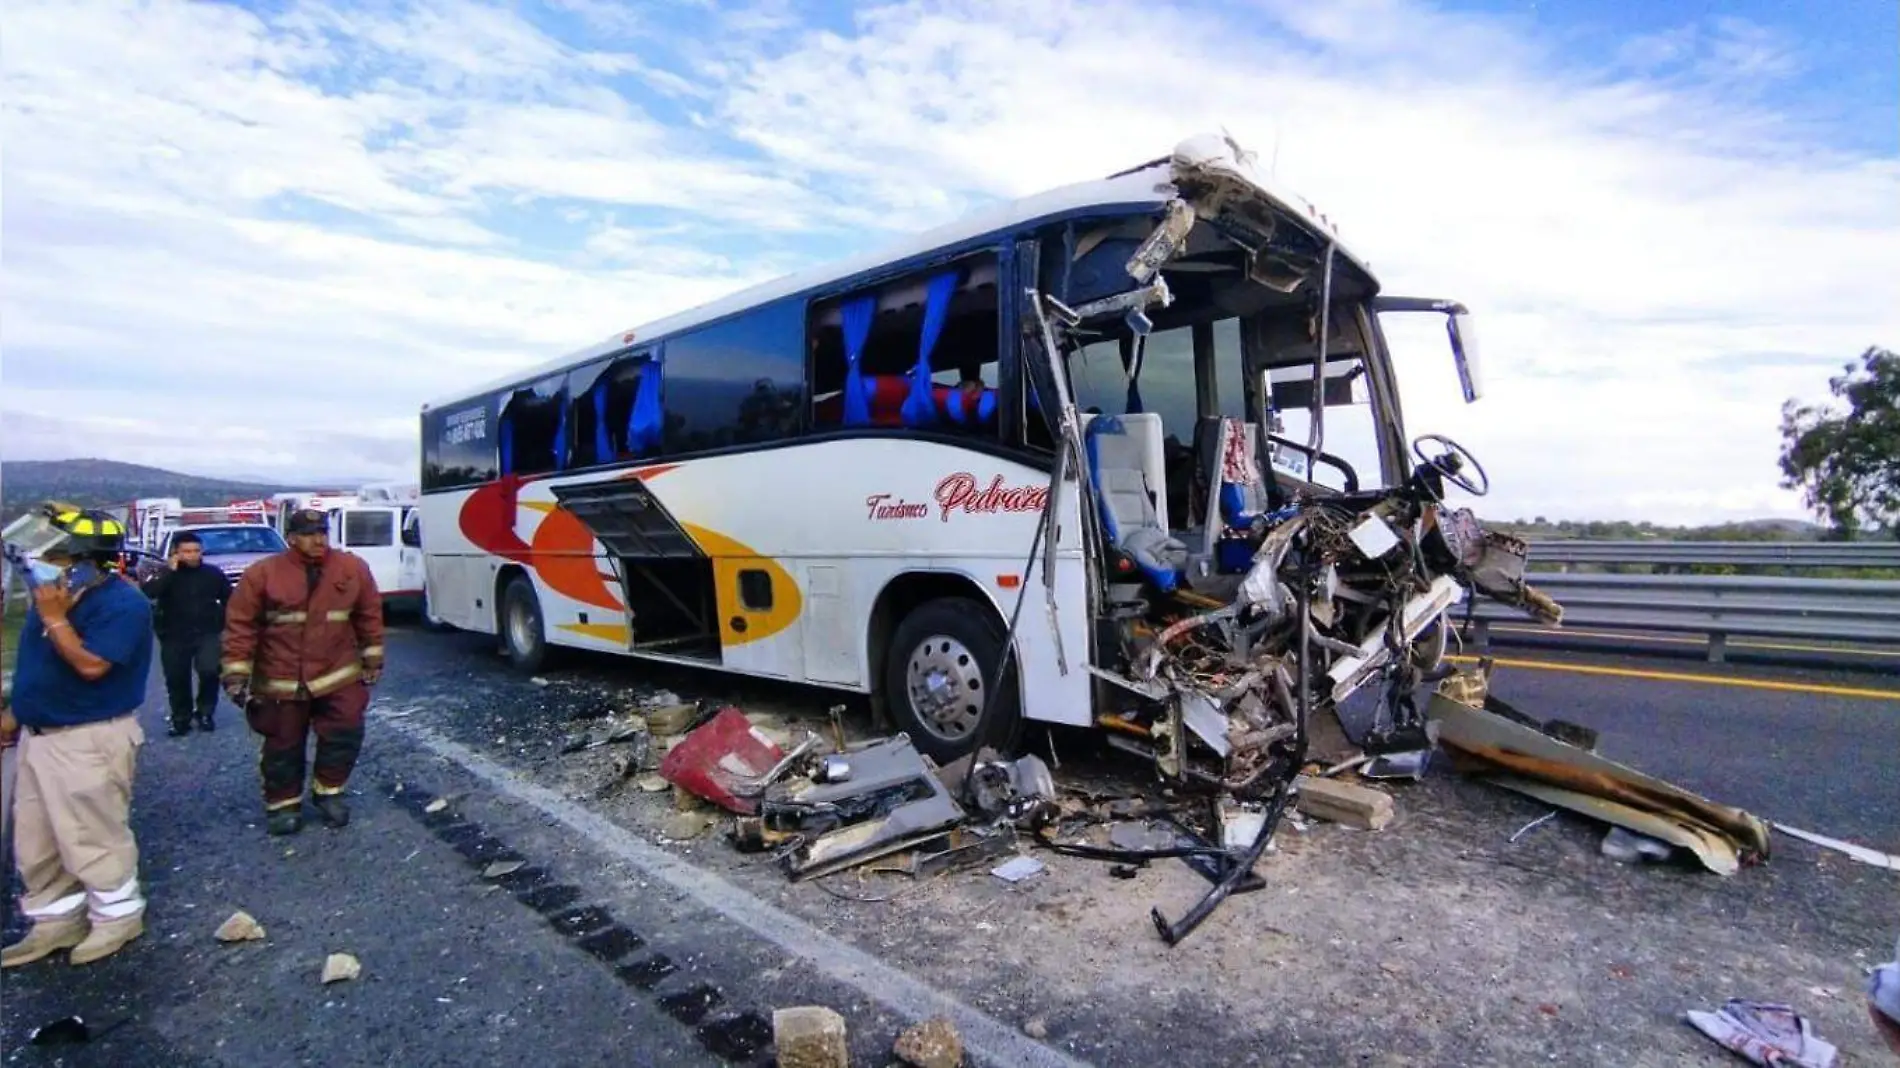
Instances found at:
x=1451 y=460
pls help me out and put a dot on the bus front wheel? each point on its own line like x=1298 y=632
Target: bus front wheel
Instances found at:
x=941 y=682
x=522 y=635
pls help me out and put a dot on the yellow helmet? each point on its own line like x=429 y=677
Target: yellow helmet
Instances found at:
x=70 y=530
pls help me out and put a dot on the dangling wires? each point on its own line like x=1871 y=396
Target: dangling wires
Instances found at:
x=1173 y=933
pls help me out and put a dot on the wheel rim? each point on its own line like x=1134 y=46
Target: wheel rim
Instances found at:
x=946 y=687
x=521 y=628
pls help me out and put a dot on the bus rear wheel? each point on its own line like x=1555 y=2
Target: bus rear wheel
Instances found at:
x=523 y=636
x=939 y=674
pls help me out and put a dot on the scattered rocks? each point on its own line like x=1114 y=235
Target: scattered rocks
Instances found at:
x=687 y=801
x=652 y=784
x=681 y=826
x=341 y=966
x=931 y=1044
x=241 y=927
x=810 y=1036
x=671 y=719
x=503 y=867
x=435 y=806
x=1037 y=1028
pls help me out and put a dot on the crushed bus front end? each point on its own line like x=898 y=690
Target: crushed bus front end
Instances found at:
x=1226 y=627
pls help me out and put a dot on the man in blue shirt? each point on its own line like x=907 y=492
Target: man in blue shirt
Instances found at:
x=78 y=680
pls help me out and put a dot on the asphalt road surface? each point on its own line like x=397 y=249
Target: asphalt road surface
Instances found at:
x=1433 y=942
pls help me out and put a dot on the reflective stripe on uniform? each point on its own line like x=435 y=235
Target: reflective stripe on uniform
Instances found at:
x=276 y=805
x=337 y=617
x=60 y=909
x=276 y=618
x=331 y=679
x=372 y=652
x=317 y=687
x=325 y=791
x=120 y=903
x=238 y=667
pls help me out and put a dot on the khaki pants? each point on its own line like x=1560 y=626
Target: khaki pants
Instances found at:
x=71 y=821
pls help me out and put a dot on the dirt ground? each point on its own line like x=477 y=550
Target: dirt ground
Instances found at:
x=1435 y=940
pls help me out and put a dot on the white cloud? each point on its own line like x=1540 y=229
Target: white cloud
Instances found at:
x=296 y=228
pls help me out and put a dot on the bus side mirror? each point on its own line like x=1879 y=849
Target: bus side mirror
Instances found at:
x=1464 y=351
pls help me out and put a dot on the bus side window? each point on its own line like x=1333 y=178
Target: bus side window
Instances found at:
x=920 y=352
x=609 y=422
x=534 y=429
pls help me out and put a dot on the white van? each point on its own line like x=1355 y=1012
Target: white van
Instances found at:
x=377 y=523
x=388 y=538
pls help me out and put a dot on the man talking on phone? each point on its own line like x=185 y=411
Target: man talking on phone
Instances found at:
x=188 y=600
x=78 y=679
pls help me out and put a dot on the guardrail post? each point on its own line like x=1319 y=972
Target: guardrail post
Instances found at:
x=1718 y=647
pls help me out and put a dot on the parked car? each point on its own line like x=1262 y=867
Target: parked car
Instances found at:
x=229 y=547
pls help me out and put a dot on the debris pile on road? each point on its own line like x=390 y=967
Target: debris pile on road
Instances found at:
x=1766 y=1033
x=1558 y=764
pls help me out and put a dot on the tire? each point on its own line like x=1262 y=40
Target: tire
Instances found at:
x=951 y=646
x=523 y=635
x=1428 y=652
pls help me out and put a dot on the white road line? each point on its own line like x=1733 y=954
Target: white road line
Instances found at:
x=985 y=1036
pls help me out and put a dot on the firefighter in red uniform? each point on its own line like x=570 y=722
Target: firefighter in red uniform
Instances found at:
x=303 y=642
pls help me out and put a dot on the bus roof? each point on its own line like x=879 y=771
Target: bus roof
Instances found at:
x=1146 y=186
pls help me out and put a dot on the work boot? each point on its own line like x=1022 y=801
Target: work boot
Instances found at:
x=107 y=938
x=44 y=938
x=205 y=724
x=284 y=821
x=332 y=808
x=179 y=728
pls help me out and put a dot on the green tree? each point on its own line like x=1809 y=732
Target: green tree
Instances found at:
x=1847 y=463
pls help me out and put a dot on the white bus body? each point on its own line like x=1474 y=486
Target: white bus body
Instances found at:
x=758 y=518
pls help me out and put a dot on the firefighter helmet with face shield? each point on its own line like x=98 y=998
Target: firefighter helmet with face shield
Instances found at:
x=64 y=531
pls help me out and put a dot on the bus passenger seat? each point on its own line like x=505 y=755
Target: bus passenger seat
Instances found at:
x=886 y=394
x=958 y=411
x=1129 y=517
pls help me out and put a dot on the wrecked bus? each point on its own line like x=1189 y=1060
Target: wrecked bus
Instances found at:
x=1079 y=459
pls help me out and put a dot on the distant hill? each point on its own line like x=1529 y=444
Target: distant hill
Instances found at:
x=109 y=483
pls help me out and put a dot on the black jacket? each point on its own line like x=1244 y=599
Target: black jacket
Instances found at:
x=189 y=602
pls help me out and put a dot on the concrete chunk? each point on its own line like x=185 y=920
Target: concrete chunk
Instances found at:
x=810 y=1036
x=1344 y=802
x=241 y=927
x=338 y=967
x=931 y=1044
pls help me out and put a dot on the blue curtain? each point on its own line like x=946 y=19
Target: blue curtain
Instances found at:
x=560 y=431
x=648 y=418
x=603 y=442
x=857 y=330
x=507 y=444
x=920 y=408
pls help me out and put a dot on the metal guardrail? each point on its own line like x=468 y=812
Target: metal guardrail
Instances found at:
x=1803 y=554
x=1862 y=611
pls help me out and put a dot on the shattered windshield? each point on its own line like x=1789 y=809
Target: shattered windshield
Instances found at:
x=1165 y=384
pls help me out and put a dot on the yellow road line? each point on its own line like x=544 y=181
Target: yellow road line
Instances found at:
x=1665 y=639
x=1677 y=676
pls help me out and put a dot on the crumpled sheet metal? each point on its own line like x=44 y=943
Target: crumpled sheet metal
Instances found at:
x=1523 y=759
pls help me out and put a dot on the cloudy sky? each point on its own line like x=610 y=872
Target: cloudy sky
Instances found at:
x=253 y=239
